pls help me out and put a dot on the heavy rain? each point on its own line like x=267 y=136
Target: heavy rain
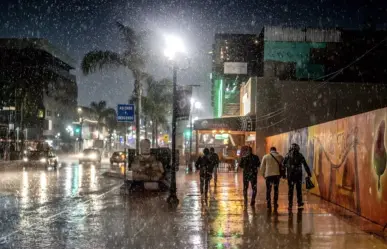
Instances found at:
x=193 y=124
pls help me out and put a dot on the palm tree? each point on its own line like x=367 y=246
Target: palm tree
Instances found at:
x=104 y=115
x=133 y=58
x=111 y=124
x=157 y=104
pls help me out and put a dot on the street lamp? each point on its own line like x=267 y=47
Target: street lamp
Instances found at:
x=174 y=45
x=81 y=131
x=194 y=105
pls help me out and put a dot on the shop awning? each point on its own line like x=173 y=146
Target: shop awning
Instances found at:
x=241 y=123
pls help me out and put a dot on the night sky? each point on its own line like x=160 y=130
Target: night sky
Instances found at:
x=78 y=26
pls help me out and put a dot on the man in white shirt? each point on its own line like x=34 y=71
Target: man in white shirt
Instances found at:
x=272 y=169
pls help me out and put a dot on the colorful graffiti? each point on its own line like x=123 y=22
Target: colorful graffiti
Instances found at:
x=348 y=159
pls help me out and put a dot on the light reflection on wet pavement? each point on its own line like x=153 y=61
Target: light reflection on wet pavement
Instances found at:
x=76 y=207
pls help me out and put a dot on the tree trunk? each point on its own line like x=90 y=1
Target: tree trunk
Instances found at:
x=21 y=125
x=156 y=133
x=153 y=135
x=146 y=127
x=110 y=140
x=137 y=87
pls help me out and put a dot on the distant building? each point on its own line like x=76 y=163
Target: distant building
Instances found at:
x=294 y=54
x=235 y=58
x=45 y=113
x=324 y=54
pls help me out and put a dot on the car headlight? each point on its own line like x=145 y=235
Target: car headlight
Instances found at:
x=43 y=160
x=93 y=156
x=25 y=159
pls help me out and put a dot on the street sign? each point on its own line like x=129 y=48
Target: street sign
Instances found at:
x=125 y=113
x=9 y=108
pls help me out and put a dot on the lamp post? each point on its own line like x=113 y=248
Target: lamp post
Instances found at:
x=194 y=105
x=174 y=46
x=80 y=132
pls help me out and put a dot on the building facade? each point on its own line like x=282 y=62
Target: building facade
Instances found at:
x=235 y=58
x=324 y=54
x=36 y=79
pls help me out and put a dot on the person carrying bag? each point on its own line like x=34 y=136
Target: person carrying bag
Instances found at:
x=272 y=170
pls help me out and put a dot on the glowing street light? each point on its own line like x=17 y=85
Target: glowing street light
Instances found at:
x=174 y=46
x=198 y=105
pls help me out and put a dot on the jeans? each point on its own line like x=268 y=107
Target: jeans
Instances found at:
x=298 y=183
x=204 y=183
x=253 y=180
x=272 y=181
x=215 y=174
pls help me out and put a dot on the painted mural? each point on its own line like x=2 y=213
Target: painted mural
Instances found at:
x=348 y=159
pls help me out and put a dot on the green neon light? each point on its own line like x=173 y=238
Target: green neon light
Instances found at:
x=220 y=99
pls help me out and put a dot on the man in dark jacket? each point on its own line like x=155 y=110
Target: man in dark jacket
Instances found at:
x=205 y=165
x=215 y=162
x=294 y=161
x=250 y=164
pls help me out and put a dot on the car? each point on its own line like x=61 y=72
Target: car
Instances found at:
x=118 y=157
x=39 y=157
x=90 y=156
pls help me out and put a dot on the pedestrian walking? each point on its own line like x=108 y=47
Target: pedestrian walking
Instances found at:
x=294 y=161
x=250 y=164
x=272 y=168
x=205 y=166
x=215 y=161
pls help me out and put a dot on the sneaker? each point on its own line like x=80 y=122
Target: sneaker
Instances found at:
x=301 y=206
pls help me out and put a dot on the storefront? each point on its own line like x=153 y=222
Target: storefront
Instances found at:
x=226 y=135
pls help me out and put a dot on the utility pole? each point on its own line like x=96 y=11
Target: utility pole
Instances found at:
x=191 y=130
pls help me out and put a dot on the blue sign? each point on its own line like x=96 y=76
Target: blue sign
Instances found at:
x=125 y=113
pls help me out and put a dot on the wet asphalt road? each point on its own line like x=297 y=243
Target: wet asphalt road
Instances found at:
x=76 y=206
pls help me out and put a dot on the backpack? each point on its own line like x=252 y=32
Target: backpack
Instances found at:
x=294 y=165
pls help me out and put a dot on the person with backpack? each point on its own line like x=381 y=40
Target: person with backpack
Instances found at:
x=205 y=166
x=294 y=161
x=215 y=162
x=250 y=164
x=272 y=170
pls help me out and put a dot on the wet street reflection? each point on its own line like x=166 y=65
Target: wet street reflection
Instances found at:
x=76 y=206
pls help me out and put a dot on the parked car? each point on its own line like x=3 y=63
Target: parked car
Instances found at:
x=39 y=157
x=90 y=156
x=118 y=157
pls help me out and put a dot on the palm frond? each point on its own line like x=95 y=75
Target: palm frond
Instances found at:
x=100 y=59
x=134 y=61
x=128 y=34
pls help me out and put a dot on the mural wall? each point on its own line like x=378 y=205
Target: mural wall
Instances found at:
x=348 y=159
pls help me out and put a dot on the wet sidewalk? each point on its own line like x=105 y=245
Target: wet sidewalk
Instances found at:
x=226 y=223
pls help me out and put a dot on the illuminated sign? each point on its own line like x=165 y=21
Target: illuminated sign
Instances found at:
x=221 y=136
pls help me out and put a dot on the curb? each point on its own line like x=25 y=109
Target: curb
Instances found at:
x=113 y=175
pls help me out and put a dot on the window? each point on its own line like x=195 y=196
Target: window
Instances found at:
x=48 y=113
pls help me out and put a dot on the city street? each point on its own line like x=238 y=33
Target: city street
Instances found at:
x=76 y=206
